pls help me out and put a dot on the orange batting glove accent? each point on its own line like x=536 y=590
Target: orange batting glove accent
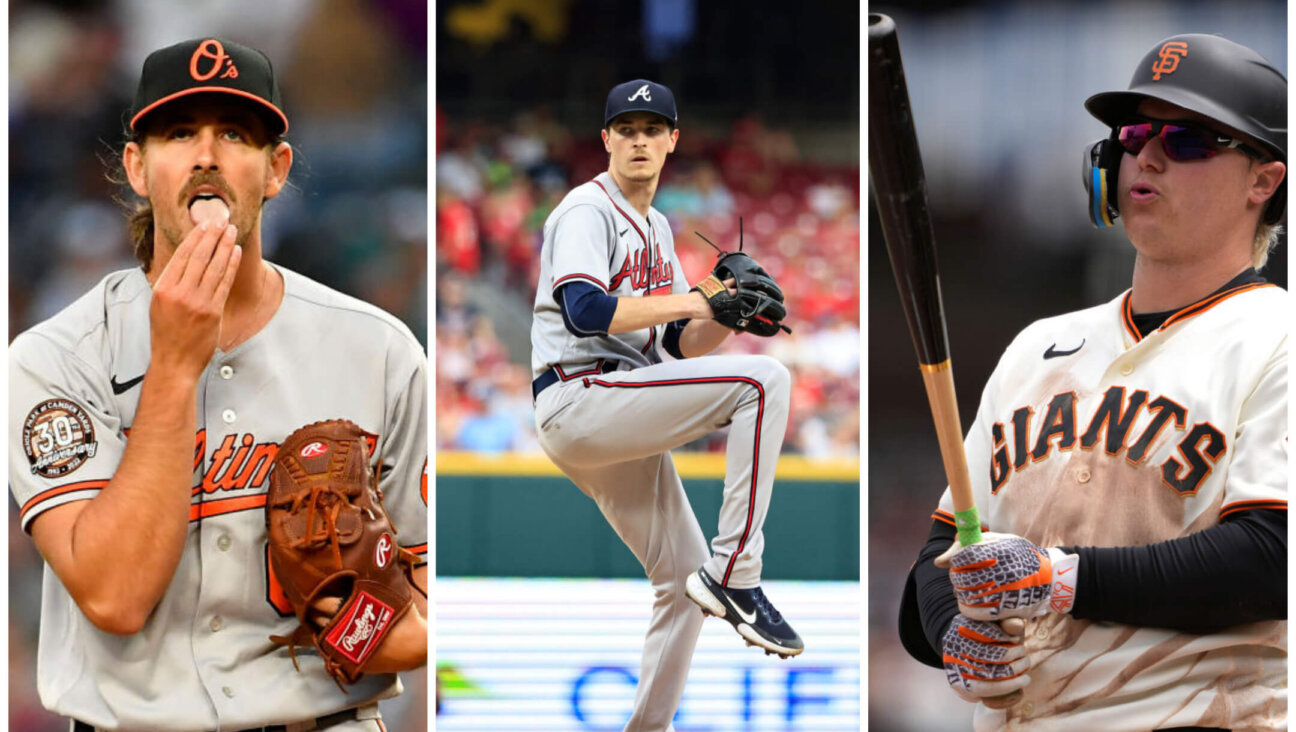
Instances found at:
x=982 y=660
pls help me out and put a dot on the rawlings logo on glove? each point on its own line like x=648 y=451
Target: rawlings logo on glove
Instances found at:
x=757 y=306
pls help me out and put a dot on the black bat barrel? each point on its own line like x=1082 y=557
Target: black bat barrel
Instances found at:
x=900 y=189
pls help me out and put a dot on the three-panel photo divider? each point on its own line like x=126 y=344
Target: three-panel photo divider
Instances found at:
x=573 y=366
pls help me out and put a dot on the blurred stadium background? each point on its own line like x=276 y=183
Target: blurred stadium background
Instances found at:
x=998 y=94
x=355 y=87
x=540 y=608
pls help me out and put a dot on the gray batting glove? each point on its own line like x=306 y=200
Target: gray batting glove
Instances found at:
x=985 y=662
x=1006 y=576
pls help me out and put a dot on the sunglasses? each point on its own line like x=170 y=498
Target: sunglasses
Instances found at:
x=1181 y=140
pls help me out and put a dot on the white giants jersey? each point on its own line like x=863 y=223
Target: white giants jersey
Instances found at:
x=1089 y=435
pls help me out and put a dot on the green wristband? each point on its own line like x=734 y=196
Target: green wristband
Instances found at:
x=968 y=524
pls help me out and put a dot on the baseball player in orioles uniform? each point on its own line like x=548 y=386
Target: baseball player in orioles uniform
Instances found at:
x=608 y=409
x=1130 y=460
x=139 y=456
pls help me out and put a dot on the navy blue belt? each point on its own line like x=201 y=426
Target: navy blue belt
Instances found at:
x=550 y=377
x=325 y=722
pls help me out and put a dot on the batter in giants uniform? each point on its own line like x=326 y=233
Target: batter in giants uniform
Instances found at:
x=1130 y=460
x=608 y=410
x=143 y=420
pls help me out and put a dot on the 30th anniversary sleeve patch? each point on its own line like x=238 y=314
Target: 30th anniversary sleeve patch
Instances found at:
x=58 y=437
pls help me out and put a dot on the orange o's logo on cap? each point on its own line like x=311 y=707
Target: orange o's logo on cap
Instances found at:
x=1168 y=58
x=211 y=49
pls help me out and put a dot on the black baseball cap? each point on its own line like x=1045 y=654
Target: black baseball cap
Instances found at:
x=209 y=65
x=640 y=95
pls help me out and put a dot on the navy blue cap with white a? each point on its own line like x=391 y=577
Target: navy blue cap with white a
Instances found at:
x=640 y=95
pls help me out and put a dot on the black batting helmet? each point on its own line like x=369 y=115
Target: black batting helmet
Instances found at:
x=1214 y=77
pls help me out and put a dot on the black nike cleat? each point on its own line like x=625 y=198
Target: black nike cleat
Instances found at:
x=750 y=613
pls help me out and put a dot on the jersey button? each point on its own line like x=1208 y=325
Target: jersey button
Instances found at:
x=1042 y=633
x=1028 y=709
x=228 y=415
x=223 y=543
x=1083 y=476
x=216 y=623
x=227 y=691
x=227 y=371
x=1127 y=369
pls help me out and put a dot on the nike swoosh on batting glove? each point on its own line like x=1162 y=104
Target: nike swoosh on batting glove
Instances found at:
x=1006 y=576
x=982 y=660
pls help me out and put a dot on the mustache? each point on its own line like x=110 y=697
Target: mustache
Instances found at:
x=206 y=178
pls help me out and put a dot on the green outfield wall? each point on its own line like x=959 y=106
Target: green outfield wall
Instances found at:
x=518 y=516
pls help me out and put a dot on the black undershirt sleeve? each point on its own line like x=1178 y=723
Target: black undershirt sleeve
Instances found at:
x=929 y=604
x=671 y=337
x=1223 y=576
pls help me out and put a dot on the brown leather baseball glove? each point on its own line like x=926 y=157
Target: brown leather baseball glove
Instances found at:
x=330 y=537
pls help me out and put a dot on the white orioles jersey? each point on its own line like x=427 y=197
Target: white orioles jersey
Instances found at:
x=1089 y=435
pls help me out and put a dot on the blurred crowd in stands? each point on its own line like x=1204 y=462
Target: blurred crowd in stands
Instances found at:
x=495 y=186
x=354 y=216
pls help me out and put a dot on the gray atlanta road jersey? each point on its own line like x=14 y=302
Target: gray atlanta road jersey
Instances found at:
x=203 y=660
x=596 y=236
x=1119 y=440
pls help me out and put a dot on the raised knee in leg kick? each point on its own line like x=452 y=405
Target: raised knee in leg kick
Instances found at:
x=777 y=377
x=769 y=372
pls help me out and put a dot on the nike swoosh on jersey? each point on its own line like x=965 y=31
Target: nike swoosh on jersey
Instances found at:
x=622 y=232
x=1052 y=351
x=125 y=386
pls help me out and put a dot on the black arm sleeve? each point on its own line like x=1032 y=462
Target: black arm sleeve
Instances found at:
x=1225 y=575
x=671 y=337
x=928 y=605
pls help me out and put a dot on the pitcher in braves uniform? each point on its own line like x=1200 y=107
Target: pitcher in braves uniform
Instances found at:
x=143 y=420
x=1130 y=460
x=609 y=410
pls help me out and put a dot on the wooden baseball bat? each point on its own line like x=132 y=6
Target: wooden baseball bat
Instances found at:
x=900 y=188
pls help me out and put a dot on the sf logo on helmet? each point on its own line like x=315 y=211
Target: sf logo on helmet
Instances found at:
x=1168 y=59
x=643 y=92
